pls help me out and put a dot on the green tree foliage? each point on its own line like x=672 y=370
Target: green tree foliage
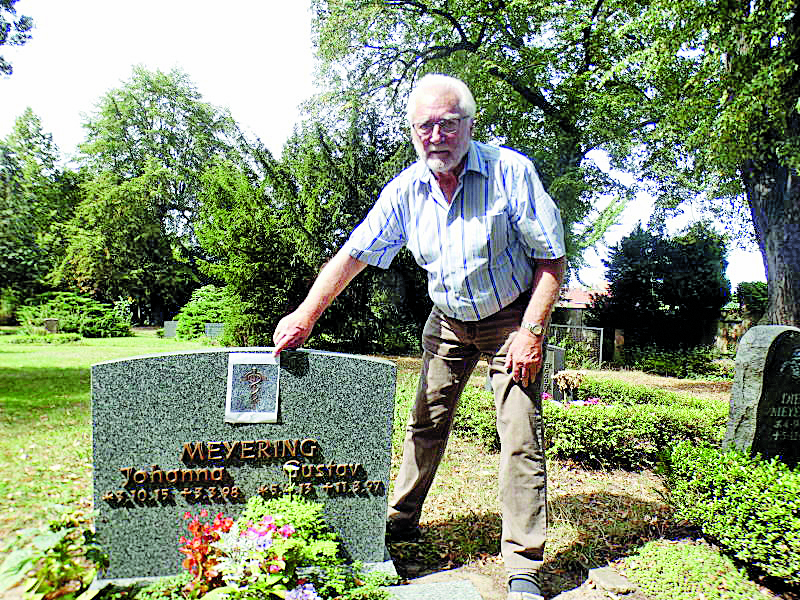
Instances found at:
x=664 y=291
x=36 y=198
x=535 y=68
x=148 y=143
x=240 y=226
x=14 y=30
x=338 y=174
x=271 y=226
x=118 y=247
x=159 y=120
x=753 y=297
x=734 y=127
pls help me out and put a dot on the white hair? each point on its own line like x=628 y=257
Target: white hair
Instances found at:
x=466 y=101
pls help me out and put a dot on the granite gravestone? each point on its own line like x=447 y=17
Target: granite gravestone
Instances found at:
x=162 y=446
x=214 y=330
x=553 y=363
x=170 y=328
x=765 y=398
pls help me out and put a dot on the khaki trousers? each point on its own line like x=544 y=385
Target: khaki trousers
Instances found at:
x=451 y=351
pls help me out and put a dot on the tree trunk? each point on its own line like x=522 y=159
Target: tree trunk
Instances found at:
x=773 y=193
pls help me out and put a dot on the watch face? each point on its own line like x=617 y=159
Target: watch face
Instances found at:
x=535 y=329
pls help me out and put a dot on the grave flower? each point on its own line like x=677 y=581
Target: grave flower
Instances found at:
x=303 y=592
x=200 y=559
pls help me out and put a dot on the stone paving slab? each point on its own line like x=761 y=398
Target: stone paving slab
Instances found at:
x=446 y=590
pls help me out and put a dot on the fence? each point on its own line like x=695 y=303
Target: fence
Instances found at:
x=590 y=335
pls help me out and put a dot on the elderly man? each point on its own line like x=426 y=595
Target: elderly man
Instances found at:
x=478 y=220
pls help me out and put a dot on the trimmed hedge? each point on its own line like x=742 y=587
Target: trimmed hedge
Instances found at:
x=620 y=392
x=50 y=338
x=748 y=505
x=625 y=436
x=633 y=429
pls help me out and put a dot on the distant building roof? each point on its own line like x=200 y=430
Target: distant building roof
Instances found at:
x=577 y=298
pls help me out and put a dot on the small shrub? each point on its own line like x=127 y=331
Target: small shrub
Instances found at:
x=207 y=305
x=56 y=561
x=51 y=338
x=75 y=314
x=9 y=301
x=748 y=505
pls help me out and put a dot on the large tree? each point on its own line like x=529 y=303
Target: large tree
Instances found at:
x=159 y=120
x=665 y=291
x=118 y=248
x=535 y=68
x=148 y=144
x=36 y=198
x=734 y=129
x=14 y=30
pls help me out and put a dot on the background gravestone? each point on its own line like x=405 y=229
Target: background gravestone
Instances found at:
x=553 y=363
x=170 y=328
x=334 y=424
x=765 y=398
x=214 y=330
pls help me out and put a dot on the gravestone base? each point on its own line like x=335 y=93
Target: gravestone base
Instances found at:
x=445 y=590
x=99 y=583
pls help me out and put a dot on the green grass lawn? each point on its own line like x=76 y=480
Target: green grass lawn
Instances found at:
x=45 y=421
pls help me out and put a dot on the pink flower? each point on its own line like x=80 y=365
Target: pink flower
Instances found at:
x=277 y=567
x=546 y=396
x=286 y=531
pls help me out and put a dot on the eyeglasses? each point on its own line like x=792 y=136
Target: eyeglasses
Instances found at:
x=445 y=126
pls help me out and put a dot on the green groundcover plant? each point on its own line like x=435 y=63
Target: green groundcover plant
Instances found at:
x=611 y=424
x=687 y=570
x=56 y=561
x=748 y=505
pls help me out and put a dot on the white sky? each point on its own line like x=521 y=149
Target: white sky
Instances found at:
x=253 y=57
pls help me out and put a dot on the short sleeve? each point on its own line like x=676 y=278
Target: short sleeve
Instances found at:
x=381 y=235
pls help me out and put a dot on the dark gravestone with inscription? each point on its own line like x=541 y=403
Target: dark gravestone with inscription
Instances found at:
x=553 y=363
x=765 y=399
x=185 y=431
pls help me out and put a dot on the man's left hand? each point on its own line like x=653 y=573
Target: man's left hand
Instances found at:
x=524 y=358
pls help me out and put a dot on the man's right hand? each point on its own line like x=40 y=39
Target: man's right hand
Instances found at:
x=292 y=332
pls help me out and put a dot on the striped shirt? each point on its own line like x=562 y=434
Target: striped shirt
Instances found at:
x=476 y=250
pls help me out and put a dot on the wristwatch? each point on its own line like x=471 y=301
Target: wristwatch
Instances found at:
x=534 y=328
